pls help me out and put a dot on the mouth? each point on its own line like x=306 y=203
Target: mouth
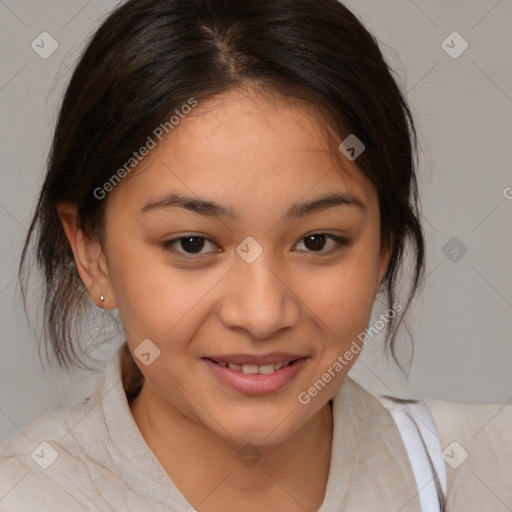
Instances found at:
x=253 y=369
x=251 y=378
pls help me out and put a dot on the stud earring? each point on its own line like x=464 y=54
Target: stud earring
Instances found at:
x=102 y=298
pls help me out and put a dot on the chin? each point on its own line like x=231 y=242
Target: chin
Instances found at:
x=261 y=437
x=263 y=430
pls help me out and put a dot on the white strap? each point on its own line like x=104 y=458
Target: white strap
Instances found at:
x=421 y=440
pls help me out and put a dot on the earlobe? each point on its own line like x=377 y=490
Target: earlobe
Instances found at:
x=89 y=258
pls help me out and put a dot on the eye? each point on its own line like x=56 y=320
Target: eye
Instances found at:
x=189 y=244
x=316 y=242
x=194 y=244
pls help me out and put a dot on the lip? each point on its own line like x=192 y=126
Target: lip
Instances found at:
x=271 y=358
x=256 y=384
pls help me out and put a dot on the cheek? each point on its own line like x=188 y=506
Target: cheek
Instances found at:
x=343 y=297
x=149 y=296
x=156 y=301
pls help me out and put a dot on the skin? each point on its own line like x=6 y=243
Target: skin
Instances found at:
x=258 y=154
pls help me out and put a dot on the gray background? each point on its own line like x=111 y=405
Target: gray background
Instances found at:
x=461 y=323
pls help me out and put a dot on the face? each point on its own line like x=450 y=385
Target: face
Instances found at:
x=254 y=270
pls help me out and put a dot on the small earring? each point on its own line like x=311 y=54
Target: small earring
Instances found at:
x=102 y=298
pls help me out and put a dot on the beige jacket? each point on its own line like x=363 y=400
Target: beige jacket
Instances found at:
x=477 y=447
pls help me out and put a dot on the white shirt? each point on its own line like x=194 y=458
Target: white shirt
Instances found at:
x=419 y=434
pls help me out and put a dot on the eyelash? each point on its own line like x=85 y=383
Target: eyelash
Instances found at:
x=169 y=244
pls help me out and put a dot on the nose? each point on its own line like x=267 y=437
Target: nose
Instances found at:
x=259 y=299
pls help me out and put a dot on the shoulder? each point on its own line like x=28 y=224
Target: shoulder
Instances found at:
x=476 y=442
x=31 y=475
x=64 y=456
x=459 y=414
x=474 y=423
x=48 y=426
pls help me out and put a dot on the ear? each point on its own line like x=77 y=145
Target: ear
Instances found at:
x=89 y=257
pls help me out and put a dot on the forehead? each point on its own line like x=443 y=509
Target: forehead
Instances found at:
x=239 y=143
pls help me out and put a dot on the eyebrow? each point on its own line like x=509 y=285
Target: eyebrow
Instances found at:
x=216 y=210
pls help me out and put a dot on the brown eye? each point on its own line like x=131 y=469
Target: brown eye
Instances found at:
x=316 y=242
x=190 y=244
x=194 y=243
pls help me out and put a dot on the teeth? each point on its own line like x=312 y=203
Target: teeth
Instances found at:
x=265 y=369
x=253 y=369
x=250 y=368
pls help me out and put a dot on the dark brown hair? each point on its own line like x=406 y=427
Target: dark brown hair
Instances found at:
x=149 y=57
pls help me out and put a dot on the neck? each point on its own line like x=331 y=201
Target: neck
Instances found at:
x=291 y=475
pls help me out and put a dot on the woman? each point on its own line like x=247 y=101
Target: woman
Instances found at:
x=237 y=180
